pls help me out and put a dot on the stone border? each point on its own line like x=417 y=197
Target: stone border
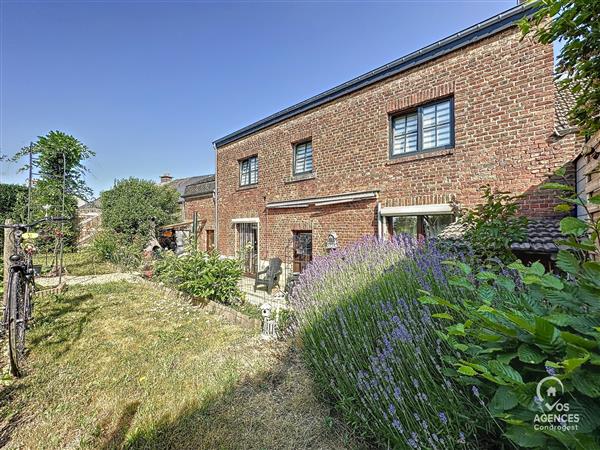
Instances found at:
x=209 y=306
x=55 y=290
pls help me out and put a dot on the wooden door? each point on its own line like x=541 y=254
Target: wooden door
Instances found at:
x=302 y=250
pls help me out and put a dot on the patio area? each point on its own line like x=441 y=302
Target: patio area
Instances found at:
x=260 y=296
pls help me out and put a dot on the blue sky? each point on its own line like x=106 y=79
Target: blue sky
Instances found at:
x=148 y=85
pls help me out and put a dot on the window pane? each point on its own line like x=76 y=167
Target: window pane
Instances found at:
x=404 y=225
x=433 y=225
x=443 y=113
x=404 y=134
x=428 y=116
x=443 y=135
x=428 y=138
x=411 y=142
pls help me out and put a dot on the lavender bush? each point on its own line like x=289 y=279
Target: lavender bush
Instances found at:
x=375 y=349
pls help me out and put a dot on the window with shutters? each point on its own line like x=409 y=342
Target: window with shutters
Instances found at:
x=249 y=171
x=429 y=127
x=303 y=162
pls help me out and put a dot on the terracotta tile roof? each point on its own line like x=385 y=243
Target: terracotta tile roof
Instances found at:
x=541 y=235
x=204 y=187
x=564 y=101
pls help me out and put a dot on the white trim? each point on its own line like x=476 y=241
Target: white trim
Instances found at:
x=320 y=201
x=246 y=220
x=416 y=210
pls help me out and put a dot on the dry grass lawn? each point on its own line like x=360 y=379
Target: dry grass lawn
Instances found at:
x=120 y=366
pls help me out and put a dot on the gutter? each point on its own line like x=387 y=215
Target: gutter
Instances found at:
x=216 y=199
x=463 y=38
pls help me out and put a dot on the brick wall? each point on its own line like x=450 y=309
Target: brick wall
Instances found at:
x=503 y=94
x=205 y=208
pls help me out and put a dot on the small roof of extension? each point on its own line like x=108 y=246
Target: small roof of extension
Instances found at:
x=542 y=235
x=454 y=42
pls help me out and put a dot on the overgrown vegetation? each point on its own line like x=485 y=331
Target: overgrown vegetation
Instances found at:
x=575 y=23
x=511 y=338
x=492 y=226
x=201 y=274
x=375 y=350
x=131 y=211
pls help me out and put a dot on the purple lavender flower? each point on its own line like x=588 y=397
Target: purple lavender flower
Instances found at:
x=461 y=438
x=550 y=371
x=392 y=409
x=475 y=391
x=443 y=418
x=398 y=426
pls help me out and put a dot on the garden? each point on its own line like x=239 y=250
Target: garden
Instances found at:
x=435 y=344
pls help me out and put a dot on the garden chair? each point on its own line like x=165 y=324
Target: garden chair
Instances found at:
x=270 y=276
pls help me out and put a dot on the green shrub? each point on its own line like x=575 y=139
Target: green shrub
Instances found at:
x=374 y=349
x=513 y=338
x=118 y=249
x=492 y=226
x=205 y=275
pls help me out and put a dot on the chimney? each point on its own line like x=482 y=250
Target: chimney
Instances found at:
x=165 y=178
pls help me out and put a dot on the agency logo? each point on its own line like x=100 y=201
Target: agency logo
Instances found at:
x=555 y=413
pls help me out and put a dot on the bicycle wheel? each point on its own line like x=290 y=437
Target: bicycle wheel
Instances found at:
x=16 y=323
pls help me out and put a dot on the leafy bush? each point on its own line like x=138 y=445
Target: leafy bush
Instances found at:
x=375 y=349
x=204 y=275
x=118 y=249
x=492 y=226
x=513 y=338
x=130 y=205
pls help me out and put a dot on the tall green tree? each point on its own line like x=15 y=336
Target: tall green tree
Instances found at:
x=130 y=205
x=575 y=23
x=58 y=164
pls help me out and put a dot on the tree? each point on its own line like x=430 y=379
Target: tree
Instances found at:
x=577 y=24
x=9 y=193
x=130 y=205
x=58 y=163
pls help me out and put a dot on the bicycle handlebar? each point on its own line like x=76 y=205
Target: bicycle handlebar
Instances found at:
x=37 y=222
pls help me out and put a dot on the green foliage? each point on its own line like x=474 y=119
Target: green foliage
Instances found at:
x=130 y=205
x=375 y=351
x=204 y=275
x=55 y=155
x=9 y=193
x=118 y=249
x=514 y=337
x=491 y=227
x=576 y=23
x=58 y=153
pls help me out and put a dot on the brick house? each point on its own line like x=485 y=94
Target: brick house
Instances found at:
x=397 y=149
x=199 y=207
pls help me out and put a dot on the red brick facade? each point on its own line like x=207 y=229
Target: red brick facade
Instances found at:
x=205 y=208
x=504 y=96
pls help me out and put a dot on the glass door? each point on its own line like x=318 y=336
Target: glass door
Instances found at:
x=248 y=246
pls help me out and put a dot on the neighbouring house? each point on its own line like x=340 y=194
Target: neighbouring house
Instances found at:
x=199 y=208
x=588 y=174
x=397 y=149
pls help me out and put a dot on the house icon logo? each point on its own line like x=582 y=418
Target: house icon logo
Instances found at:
x=551 y=385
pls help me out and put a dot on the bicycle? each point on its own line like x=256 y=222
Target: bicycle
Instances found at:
x=18 y=308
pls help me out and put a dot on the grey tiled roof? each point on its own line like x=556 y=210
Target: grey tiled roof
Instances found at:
x=181 y=183
x=565 y=100
x=541 y=235
x=205 y=187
